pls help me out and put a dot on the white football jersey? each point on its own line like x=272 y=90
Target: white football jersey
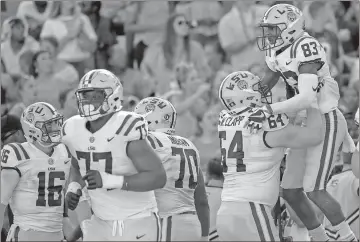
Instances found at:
x=181 y=162
x=304 y=50
x=38 y=199
x=106 y=150
x=344 y=187
x=251 y=169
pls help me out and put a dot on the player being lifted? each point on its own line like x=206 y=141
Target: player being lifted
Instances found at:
x=251 y=162
x=119 y=166
x=301 y=60
x=33 y=175
x=184 y=194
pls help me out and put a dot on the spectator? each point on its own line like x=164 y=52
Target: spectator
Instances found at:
x=206 y=144
x=70 y=105
x=102 y=27
x=74 y=32
x=187 y=97
x=35 y=13
x=320 y=30
x=63 y=71
x=237 y=34
x=216 y=57
x=46 y=85
x=15 y=41
x=147 y=26
x=160 y=60
x=206 y=15
x=11 y=130
x=133 y=81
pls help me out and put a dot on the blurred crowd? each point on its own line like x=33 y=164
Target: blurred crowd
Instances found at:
x=180 y=51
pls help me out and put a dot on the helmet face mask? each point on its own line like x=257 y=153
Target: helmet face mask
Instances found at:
x=51 y=130
x=271 y=36
x=41 y=124
x=159 y=113
x=281 y=25
x=99 y=93
x=92 y=101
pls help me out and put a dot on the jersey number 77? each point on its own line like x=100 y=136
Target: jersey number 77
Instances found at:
x=235 y=150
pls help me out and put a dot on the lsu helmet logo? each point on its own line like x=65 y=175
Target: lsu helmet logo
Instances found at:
x=150 y=107
x=242 y=84
x=291 y=16
x=30 y=117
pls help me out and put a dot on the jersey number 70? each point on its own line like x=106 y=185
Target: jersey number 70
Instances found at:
x=185 y=155
x=233 y=153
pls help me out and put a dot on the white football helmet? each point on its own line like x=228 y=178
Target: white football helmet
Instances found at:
x=159 y=113
x=42 y=124
x=243 y=89
x=99 y=93
x=281 y=25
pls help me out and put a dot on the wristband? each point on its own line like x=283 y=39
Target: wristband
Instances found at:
x=73 y=187
x=111 y=181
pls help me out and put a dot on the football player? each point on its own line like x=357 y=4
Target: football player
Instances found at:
x=214 y=185
x=119 y=167
x=33 y=175
x=301 y=62
x=183 y=201
x=345 y=189
x=251 y=162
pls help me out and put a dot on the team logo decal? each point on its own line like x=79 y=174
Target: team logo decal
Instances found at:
x=291 y=16
x=51 y=161
x=242 y=84
x=30 y=117
x=92 y=139
x=150 y=107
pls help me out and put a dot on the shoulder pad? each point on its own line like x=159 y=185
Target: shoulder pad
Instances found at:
x=157 y=140
x=276 y=122
x=132 y=126
x=307 y=50
x=13 y=154
x=68 y=125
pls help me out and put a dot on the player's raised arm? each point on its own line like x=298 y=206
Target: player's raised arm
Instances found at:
x=151 y=174
x=298 y=137
x=10 y=177
x=202 y=205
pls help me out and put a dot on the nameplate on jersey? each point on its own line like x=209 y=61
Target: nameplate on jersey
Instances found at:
x=276 y=122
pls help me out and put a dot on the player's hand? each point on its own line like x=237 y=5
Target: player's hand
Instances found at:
x=93 y=179
x=73 y=199
x=255 y=120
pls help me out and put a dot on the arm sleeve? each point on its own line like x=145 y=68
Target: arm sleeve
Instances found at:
x=11 y=156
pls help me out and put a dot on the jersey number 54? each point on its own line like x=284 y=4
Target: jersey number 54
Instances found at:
x=232 y=153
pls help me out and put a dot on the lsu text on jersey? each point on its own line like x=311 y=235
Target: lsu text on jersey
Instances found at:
x=119 y=214
x=175 y=201
x=252 y=177
x=305 y=50
x=38 y=199
x=344 y=187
